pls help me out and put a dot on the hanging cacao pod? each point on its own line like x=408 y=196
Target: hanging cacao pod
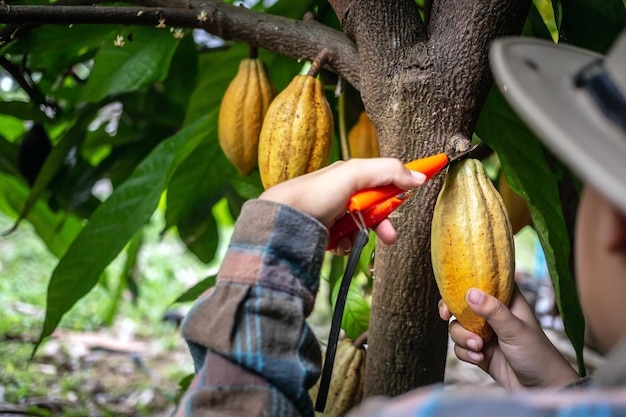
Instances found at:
x=297 y=132
x=243 y=108
x=363 y=139
x=516 y=207
x=346 y=384
x=471 y=243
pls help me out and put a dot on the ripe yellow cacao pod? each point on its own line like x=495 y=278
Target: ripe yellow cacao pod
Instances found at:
x=516 y=206
x=243 y=108
x=346 y=384
x=471 y=243
x=297 y=132
x=363 y=139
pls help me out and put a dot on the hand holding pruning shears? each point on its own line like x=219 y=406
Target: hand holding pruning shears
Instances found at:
x=323 y=194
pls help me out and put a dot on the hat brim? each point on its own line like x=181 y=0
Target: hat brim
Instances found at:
x=537 y=79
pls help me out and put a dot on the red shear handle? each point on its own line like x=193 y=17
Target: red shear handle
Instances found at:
x=369 y=197
x=372 y=216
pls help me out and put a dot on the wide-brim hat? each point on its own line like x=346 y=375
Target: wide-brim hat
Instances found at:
x=574 y=100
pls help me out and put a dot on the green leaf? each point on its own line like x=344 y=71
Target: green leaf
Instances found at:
x=8 y=157
x=356 y=314
x=54 y=48
x=56 y=159
x=527 y=171
x=537 y=26
x=337 y=266
x=198 y=232
x=126 y=278
x=592 y=24
x=197 y=290
x=56 y=229
x=22 y=110
x=196 y=180
x=137 y=64
x=115 y=222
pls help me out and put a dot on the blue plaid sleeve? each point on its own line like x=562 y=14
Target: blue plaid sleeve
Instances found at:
x=253 y=351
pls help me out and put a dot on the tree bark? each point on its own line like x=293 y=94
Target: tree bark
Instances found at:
x=423 y=86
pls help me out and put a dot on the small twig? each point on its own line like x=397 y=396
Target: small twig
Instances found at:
x=318 y=63
x=27 y=85
x=253 y=53
x=343 y=136
x=361 y=340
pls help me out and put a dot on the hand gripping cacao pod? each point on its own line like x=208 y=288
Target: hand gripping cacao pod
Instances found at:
x=516 y=206
x=471 y=243
x=297 y=132
x=243 y=108
x=346 y=384
x=363 y=139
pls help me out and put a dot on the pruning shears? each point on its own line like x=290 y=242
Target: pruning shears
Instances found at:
x=369 y=207
x=366 y=209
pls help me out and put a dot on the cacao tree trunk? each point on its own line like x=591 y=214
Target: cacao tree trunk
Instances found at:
x=423 y=87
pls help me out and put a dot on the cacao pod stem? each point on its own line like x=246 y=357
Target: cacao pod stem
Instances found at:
x=318 y=62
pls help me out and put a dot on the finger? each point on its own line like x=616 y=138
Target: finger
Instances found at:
x=344 y=246
x=468 y=355
x=504 y=323
x=464 y=338
x=383 y=171
x=386 y=232
x=444 y=311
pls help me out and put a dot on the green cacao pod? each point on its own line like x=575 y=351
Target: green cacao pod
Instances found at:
x=471 y=243
x=242 y=111
x=297 y=132
x=346 y=384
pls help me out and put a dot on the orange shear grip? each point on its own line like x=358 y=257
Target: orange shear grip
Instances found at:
x=376 y=204
x=369 y=197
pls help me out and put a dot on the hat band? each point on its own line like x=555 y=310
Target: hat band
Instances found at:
x=606 y=94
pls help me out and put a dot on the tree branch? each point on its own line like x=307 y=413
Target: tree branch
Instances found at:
x=295 y=39
x=27 y=85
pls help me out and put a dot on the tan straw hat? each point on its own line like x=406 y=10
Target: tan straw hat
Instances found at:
x=574 y=100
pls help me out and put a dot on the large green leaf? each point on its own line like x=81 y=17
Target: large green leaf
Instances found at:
x=194 y=292
x=22 y=110
x=592 y=24
x=356 y=314
x=8 y=157
x=55 y=48
x=527 y=171
x=198 y=231
x=137 y=64
x=57 y=158
x=199 y=178
x=56 y=229
x=115 y=222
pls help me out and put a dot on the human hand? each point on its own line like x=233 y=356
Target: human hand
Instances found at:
x=520 y=355
x=324 y=194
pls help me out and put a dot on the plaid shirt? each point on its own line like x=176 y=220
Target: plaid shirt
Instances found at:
x=255 y=355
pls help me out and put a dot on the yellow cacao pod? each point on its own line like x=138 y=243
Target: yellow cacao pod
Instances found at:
x=516 y=206
x=471 y=243
x=297 y=132
x=363 y=139
x=346 y=384
x=243 y=108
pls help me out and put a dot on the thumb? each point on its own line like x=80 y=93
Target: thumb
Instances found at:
x=504 y=323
